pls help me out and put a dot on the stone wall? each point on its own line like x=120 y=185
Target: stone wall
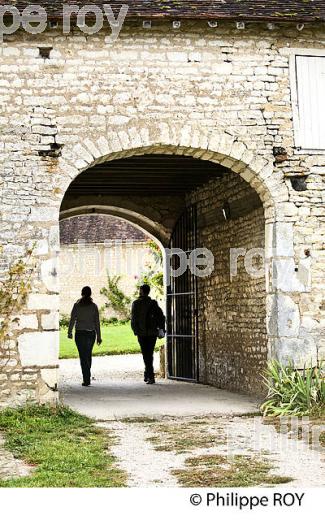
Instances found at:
x=216 y=94
x=232 y=308
x=89 y=264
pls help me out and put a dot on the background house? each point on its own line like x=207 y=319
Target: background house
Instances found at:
x=93 y=246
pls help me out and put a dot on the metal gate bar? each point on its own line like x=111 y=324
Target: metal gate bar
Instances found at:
x=182 y=304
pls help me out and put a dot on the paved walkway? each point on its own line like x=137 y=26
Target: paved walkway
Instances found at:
x=118 y=391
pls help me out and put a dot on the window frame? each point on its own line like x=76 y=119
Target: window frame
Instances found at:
x=312 y=53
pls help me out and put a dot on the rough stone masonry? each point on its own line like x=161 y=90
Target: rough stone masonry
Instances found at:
x=216 y=94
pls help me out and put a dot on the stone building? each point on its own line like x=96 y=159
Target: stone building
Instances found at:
x=216 y=106
x=93 y=246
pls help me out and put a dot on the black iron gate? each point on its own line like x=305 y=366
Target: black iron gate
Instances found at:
x=182 y=302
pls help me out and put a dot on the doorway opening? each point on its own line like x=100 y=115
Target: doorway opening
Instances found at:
x=114 y=258
x=216 y=324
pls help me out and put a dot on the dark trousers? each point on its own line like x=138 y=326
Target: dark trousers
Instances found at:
x=147 y=344
x=85 y=341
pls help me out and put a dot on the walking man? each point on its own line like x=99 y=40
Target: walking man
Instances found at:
x=148 y=323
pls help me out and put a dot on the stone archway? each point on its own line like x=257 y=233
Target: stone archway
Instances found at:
x=89 y=154
x=216 y=146
x=219 y=147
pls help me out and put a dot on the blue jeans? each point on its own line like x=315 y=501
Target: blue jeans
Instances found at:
x=85 y=341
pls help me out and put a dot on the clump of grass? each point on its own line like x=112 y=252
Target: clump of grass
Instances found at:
x=318 y=411
x=65 y=447
x=182 y=438
x=291 y=392
x=139 y=420
x=218 y=471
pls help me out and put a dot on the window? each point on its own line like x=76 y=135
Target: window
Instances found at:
x=308 y=93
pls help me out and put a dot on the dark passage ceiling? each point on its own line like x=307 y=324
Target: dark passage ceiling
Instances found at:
x=145 y=175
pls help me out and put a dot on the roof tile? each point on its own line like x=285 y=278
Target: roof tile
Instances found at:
x=254 y=10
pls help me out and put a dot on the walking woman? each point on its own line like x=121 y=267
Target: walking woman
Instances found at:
x=85 y=317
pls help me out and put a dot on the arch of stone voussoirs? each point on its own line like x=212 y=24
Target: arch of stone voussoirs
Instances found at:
x=216 y=146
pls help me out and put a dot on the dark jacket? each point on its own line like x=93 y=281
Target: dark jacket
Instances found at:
x=147 y=317
x=85 y=317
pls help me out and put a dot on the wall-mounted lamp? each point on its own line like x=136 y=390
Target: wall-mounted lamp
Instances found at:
x=271 y=26
x=213 y=24
x=298 y=182
x=300 y=26
x=176 y=24
x=147 y=24
x=241 y=25
x=226 y=211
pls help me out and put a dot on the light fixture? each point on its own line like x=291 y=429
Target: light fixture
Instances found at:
x=176 y=24
x=299 y=183
x=300 y=26
x=226 y=211
x=213 y=24
x=147 y=24
x=240 y=25
x=271 y=26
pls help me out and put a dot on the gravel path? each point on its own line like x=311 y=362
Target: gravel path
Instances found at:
x=291 y=457
x=148 y=467
x=9 y=466
x=118 y=393
x=145 y=466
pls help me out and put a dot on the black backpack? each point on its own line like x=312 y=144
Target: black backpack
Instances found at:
x=155 y=318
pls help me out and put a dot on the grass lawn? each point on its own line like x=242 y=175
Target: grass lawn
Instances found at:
x=117 y=339
x=65 y=447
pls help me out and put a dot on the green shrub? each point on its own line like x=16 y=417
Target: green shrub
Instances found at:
x=124 y=322
x=110 y=321
x=113 y=321
x=293 y=392
x=153 y=275
x=64 y=321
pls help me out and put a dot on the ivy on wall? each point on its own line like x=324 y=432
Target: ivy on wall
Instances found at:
x=14 y=290
x=116 y=298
